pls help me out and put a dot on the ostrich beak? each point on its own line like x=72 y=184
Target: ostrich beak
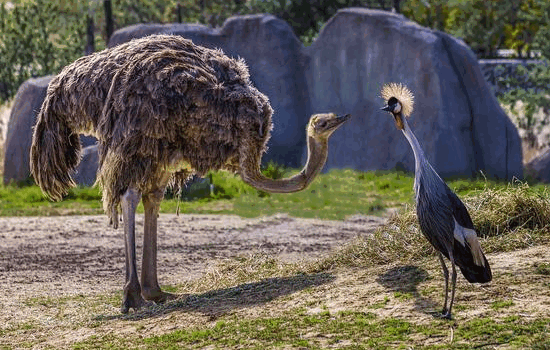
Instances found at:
x=343 y=118
x=339 y=120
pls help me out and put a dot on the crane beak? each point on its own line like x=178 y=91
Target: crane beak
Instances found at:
x=398 y=121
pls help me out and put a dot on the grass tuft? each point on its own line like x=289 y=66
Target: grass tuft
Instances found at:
x=507 y=218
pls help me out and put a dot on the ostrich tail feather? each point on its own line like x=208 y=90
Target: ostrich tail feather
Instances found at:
x=55 y=153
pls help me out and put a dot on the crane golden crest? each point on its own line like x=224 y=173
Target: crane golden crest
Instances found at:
x=402 y=94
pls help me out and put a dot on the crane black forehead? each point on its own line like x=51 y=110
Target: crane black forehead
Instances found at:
x=392 y=101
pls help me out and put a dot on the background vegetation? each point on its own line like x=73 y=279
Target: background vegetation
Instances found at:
x=38 y=37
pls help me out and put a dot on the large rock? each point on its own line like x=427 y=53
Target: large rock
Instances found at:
x=28 y=101
x=26 y=106
x=273 y=54
x=457 y=119
x=539 y=167
x=86 y=172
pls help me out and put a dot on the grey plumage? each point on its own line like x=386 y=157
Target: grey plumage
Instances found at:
x=443 y=218
x=162 y=110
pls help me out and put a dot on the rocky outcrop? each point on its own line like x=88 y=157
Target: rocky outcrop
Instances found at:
x=87 y=169
x=26 y=106
x=27 y=103
x=457 y=119
x=539 y=167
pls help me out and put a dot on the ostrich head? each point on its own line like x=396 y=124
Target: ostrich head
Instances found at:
x=321 y=126
x=400 y=102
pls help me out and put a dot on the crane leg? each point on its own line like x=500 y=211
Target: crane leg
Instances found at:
x=453 y=282
x=149 y=281
x=446 y=275
x=132 y=290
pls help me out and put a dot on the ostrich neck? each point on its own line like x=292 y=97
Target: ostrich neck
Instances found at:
x=316 y=158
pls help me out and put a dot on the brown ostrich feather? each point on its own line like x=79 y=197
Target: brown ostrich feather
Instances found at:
x=402 y=94
x=157 y=104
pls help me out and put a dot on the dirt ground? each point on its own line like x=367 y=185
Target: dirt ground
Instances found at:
x=72 y=255
x=56 y=271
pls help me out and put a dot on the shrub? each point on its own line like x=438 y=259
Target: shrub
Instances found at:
x=37 y=38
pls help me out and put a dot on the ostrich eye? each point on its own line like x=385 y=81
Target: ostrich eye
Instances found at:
x=322 y=124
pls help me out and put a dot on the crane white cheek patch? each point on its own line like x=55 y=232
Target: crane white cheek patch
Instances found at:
x=465 y=235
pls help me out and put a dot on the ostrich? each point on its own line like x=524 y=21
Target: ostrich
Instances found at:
x=162 y=109
x=443 y=218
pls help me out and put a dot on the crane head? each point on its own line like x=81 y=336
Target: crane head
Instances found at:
x=321 y=126
x=399 y=102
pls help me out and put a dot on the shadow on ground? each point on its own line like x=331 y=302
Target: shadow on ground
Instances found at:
x=405 y=279
x=221 y=301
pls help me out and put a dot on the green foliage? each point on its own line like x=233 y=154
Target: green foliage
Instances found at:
x=527 y=94
x=37 y=38
x=541 y=41
x=481 y=24
x=436 y=14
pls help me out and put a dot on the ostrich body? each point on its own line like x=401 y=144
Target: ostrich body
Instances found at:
x=443 y=218
x=162 y=110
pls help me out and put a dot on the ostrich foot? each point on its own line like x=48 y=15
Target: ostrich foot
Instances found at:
x=157 y=295
x=134 y=301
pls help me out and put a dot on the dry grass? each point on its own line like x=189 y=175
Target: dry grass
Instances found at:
x=506 y=219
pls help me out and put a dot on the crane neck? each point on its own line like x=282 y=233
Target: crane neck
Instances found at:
x=415 y=145
x=423 y=169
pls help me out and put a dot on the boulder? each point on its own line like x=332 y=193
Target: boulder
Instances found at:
x=273 y=54
x=26 y=106
x=27 y=103
x=87 y=169
x=457 y=119
x=539 y=167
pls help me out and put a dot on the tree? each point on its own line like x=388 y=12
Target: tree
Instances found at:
x=36 y=38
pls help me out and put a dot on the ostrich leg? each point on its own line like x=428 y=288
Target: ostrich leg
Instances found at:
x=149 y=282
x=132 y=290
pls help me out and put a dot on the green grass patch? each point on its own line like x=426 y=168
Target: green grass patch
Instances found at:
x=543 y=269
x=334 y=195
x=344 y=329
x=501 y=304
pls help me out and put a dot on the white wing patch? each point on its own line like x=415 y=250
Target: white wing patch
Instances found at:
x=465 y=235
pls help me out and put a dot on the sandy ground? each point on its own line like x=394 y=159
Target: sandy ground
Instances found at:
x=56 y=271
x=60 y=256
